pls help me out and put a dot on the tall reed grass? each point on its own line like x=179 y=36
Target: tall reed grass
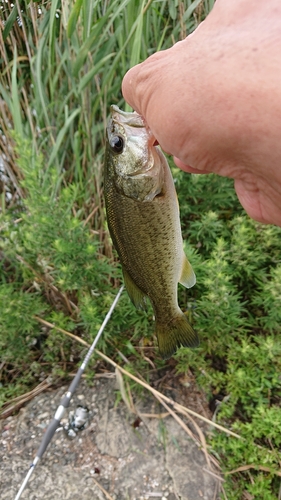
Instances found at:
x=62 y=66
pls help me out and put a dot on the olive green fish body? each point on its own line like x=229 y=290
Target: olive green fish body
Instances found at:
x=151 y=223
x=143 y=219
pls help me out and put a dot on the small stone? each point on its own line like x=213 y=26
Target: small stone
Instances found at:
x=41 y=416
x=42 y=426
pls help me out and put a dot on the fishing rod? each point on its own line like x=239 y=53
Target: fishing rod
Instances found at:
x=54 y=424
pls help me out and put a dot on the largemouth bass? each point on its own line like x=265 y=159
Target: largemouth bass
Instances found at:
x=143 y=220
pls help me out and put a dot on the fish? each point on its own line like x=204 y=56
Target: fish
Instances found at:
x=143 y=220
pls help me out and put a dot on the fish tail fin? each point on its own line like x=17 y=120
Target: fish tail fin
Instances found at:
x=176 y=333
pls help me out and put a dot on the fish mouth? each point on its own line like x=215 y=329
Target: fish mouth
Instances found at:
x=131 y=119
x=126 y=118
x=126 y=124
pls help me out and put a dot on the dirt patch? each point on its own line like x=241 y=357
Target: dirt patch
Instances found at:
x=119 y=455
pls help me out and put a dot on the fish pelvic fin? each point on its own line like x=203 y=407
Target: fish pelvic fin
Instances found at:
x=188 y=278
x=176 y=333
x=134 y=292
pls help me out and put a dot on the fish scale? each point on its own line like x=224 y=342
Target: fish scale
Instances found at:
x=142 y=223
x=143 y=220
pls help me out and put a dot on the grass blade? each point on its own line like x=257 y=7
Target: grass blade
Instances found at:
x=16 y=107
x=73 y=18
x=61 y=136
x=10 y=22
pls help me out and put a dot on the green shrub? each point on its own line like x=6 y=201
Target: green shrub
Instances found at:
x=53 y=268
x=236 y=311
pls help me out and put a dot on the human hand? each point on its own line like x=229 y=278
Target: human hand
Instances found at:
x=214 y=101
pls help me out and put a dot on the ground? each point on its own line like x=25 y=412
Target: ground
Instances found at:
x=119 y=455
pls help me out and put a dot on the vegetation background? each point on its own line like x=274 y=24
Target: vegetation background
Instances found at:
x=62 y=64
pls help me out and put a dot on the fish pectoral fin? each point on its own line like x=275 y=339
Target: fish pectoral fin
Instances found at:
x=134 y=292
x=188 y=278
x=178 y=332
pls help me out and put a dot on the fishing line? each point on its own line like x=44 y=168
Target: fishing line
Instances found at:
x=54 y=424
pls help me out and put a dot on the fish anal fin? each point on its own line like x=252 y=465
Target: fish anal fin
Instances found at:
x=188 y=278
x=134 y=292
x=176 y=333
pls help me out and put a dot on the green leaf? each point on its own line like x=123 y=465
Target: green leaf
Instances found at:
x=90 y=75
x=85 y=48
x=10 y=22
x=61 y=135
x=73 y=18
x=173 y=10
x=135 y=56
x=16 y=107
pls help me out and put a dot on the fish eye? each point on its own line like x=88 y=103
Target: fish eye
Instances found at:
x=117 y=144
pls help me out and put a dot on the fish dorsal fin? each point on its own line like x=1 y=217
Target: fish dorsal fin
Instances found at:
x=134 y=292
x=188 y=278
